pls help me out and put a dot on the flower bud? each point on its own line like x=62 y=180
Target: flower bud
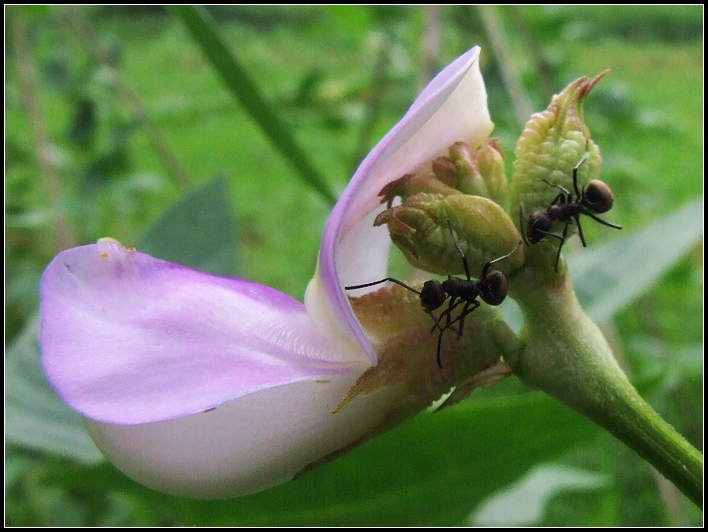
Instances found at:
x=478 y=172
x=483 y=231
x=491 y=166
x=552 y=144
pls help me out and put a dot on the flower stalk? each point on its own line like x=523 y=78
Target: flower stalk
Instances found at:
x=564 y=352
x=566 y=355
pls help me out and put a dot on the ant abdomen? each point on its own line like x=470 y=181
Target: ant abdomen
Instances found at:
x=599 y=196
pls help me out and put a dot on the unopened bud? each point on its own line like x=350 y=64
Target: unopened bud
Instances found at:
x=490 y=158
x=552 y=144
x=420 y=227
x=474 y=171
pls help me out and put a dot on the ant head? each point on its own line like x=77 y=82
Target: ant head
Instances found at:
x=494 y=287
x=539 y=226
x=432 y=296
x=598 y=197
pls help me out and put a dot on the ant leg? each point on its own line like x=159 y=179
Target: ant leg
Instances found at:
x=575 y=170
x=460 y=320
x=522 y=218
x=437 y=322
x=549 y=233
x=448 y=325
x=465 y=312
x=401 y=283
x=563 y=197
x=565 y=232
x=603 y=222
x=580 y=230
x=439 y=344
x=459 y=250
x=447 y=313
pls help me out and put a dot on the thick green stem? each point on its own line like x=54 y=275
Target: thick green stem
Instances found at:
x=567 y=356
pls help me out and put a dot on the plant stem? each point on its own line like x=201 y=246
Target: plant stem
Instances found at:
x=567 y=356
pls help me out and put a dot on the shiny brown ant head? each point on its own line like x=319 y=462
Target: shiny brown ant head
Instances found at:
x=598 y=196
x=494 y=288
x=539 y=225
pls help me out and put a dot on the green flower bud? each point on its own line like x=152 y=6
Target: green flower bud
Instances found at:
x=491 y=167
x=478 y=172
x=552 y=144
x=419 y=227
x=446 y=171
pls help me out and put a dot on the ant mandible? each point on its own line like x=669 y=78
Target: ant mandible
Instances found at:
x=596 y=198
x=492 y=286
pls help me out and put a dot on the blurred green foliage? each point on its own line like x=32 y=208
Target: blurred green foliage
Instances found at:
x=130 y=119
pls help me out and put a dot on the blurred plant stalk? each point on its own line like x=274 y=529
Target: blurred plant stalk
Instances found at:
x=63 y=233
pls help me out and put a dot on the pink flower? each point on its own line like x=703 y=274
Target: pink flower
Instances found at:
x=209 y=386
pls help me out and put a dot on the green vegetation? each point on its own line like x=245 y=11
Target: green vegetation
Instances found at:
x=129 y=144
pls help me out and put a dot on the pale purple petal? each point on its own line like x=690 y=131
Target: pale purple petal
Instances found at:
x=453 y=107
x=126 y=338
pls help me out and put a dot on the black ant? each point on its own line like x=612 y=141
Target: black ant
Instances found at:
x=492 y=286
x=597 y=198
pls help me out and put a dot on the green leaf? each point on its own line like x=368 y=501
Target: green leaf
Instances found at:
x=202 y=27
x=609 y=277
x=34 y=416
x=199 y=231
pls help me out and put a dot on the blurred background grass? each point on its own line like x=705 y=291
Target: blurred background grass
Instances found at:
x=129 y=116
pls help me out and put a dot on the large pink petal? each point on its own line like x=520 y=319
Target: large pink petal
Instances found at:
x=126 y=338
x=451 y=108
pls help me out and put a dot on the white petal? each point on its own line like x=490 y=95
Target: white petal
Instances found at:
x=244 y=446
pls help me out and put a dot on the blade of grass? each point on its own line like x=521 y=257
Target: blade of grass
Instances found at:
x=203 y=29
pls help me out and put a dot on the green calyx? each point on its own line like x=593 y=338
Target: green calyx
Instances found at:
x=406 y=349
